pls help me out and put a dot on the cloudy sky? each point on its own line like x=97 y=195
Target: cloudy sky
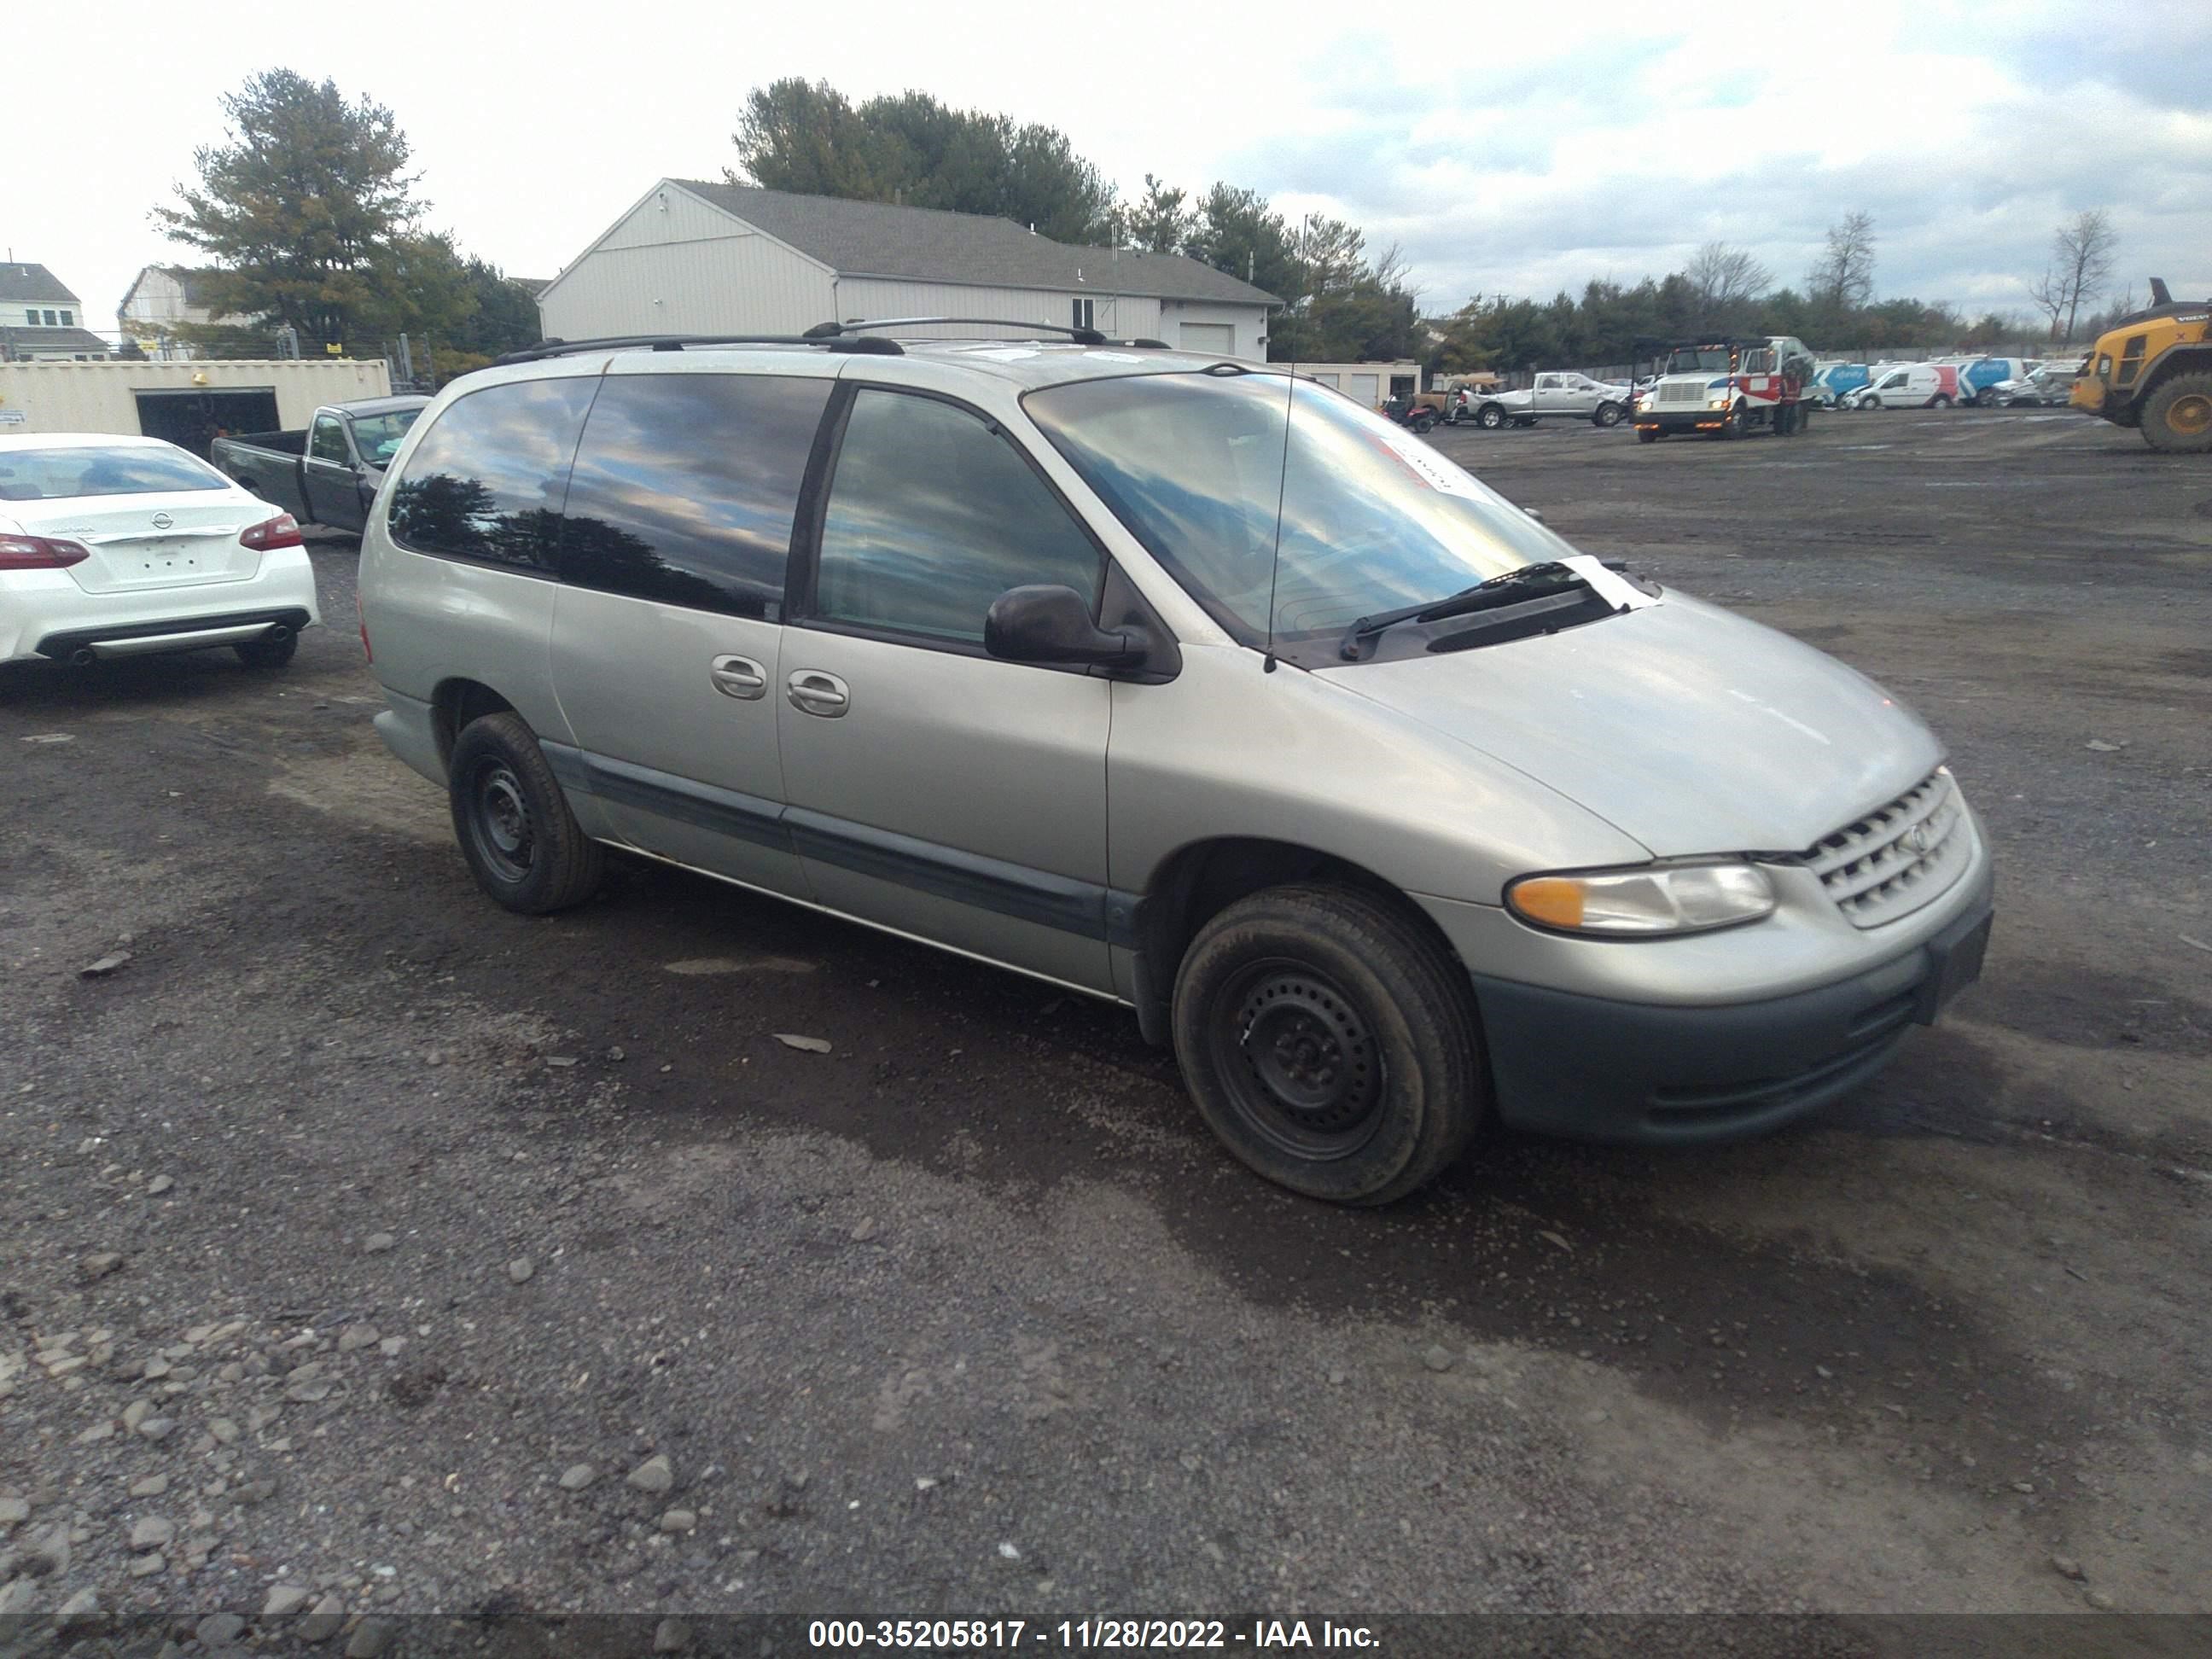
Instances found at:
x=1513 y=149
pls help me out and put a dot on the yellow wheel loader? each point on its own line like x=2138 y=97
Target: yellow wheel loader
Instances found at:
x=2152 y=370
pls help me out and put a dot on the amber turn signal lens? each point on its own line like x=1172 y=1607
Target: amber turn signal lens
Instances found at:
x=1555 y=901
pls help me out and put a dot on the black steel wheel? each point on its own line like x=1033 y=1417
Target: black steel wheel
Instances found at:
x=501 y=833
x=1330 y=1043
x=522 y=842
x=1297 y=1060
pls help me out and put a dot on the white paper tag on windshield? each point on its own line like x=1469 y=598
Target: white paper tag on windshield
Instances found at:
x=1430 y=468
x=1608 y=585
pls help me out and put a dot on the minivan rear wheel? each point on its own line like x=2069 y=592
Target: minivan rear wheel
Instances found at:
x=1329 y=1043
x=522 y=842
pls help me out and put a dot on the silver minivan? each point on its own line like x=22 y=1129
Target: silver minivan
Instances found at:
x=1182 y=683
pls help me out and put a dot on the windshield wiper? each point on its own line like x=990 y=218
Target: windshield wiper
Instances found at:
x=1509 y=587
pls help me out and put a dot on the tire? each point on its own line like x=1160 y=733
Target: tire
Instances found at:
x=1732 y=427
x=1870 y=401
x=1606 y=415
x=2177 y=417
x=1422 y=422
x=1939 y=401
x=1492 y=416
x=1329 y=1043
x=1647 y=435
x=524 y=845
x=267 y=655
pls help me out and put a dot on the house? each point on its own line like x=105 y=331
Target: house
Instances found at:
x=41 y=321
x=695 y=257
x=163 y=297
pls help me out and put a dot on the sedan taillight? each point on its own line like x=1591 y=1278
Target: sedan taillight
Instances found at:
x=282 y=531
x=40 y=553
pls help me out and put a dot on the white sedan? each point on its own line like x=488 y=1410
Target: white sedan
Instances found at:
x=120 y=547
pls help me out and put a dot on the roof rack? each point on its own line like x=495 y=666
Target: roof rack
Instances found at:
x=865 y=345
x=1089 y=337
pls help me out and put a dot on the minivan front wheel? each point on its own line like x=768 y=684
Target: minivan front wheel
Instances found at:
x=1329 y=1043
x=522 y=842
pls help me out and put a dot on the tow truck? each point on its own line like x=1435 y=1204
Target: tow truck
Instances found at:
x=1728 y=387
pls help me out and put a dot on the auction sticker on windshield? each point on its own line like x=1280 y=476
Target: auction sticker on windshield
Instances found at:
x=1430 y=468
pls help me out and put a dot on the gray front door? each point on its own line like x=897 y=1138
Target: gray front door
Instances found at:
x=330 y=480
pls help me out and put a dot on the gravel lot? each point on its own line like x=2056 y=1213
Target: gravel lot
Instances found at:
x=366 y=1249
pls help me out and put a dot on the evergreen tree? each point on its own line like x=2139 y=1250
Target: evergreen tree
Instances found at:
x=303 y=209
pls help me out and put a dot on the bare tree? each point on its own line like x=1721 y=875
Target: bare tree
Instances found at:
x=1724 y=278
x=2080 y=266
x=1844 y=276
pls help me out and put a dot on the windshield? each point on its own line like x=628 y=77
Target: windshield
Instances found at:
x=377 y=436
x=1692 y=359
x=53 y=475
x=1370 y=518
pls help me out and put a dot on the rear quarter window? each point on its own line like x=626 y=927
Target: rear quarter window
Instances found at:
x=487 y=480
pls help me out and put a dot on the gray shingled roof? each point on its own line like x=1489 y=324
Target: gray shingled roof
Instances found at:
x=927 y=245
x=26 y=283
x=21 y=338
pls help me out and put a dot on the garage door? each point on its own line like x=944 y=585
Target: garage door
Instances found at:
x=1367 y=389
x=1219 y=338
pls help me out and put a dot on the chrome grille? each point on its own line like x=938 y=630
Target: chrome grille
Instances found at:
x=1680 y=392
x=1893 y=861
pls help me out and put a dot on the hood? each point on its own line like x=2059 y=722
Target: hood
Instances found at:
x=1690 y=729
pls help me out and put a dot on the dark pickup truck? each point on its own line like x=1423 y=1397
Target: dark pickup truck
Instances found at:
x=327 y=472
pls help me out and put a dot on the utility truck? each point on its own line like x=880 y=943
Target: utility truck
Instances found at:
x=1728 y=387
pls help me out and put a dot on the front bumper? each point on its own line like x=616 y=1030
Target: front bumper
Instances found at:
x=1568 y=1064
x=1702 y=420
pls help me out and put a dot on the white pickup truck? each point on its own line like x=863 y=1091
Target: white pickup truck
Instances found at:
x=1598 y=401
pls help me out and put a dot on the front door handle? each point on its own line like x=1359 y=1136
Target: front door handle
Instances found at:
x=739 y=677
x=813 y=692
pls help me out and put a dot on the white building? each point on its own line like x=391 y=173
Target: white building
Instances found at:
x=161 y=298
x=692 y=258
x=41 y=321
x=1372 y=384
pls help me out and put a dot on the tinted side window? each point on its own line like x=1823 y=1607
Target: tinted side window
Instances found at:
x=685 y=486
x=932 y=516
x=486 y=481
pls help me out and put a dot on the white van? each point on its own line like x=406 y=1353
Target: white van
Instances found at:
x=1913 y=385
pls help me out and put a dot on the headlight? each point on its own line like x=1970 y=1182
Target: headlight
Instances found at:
x=1716 y=403
x=1659 y=898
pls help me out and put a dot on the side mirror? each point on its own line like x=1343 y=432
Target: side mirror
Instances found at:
x=1046 y=622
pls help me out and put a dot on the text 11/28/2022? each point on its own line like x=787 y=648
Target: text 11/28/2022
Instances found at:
x=1090 y=1635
